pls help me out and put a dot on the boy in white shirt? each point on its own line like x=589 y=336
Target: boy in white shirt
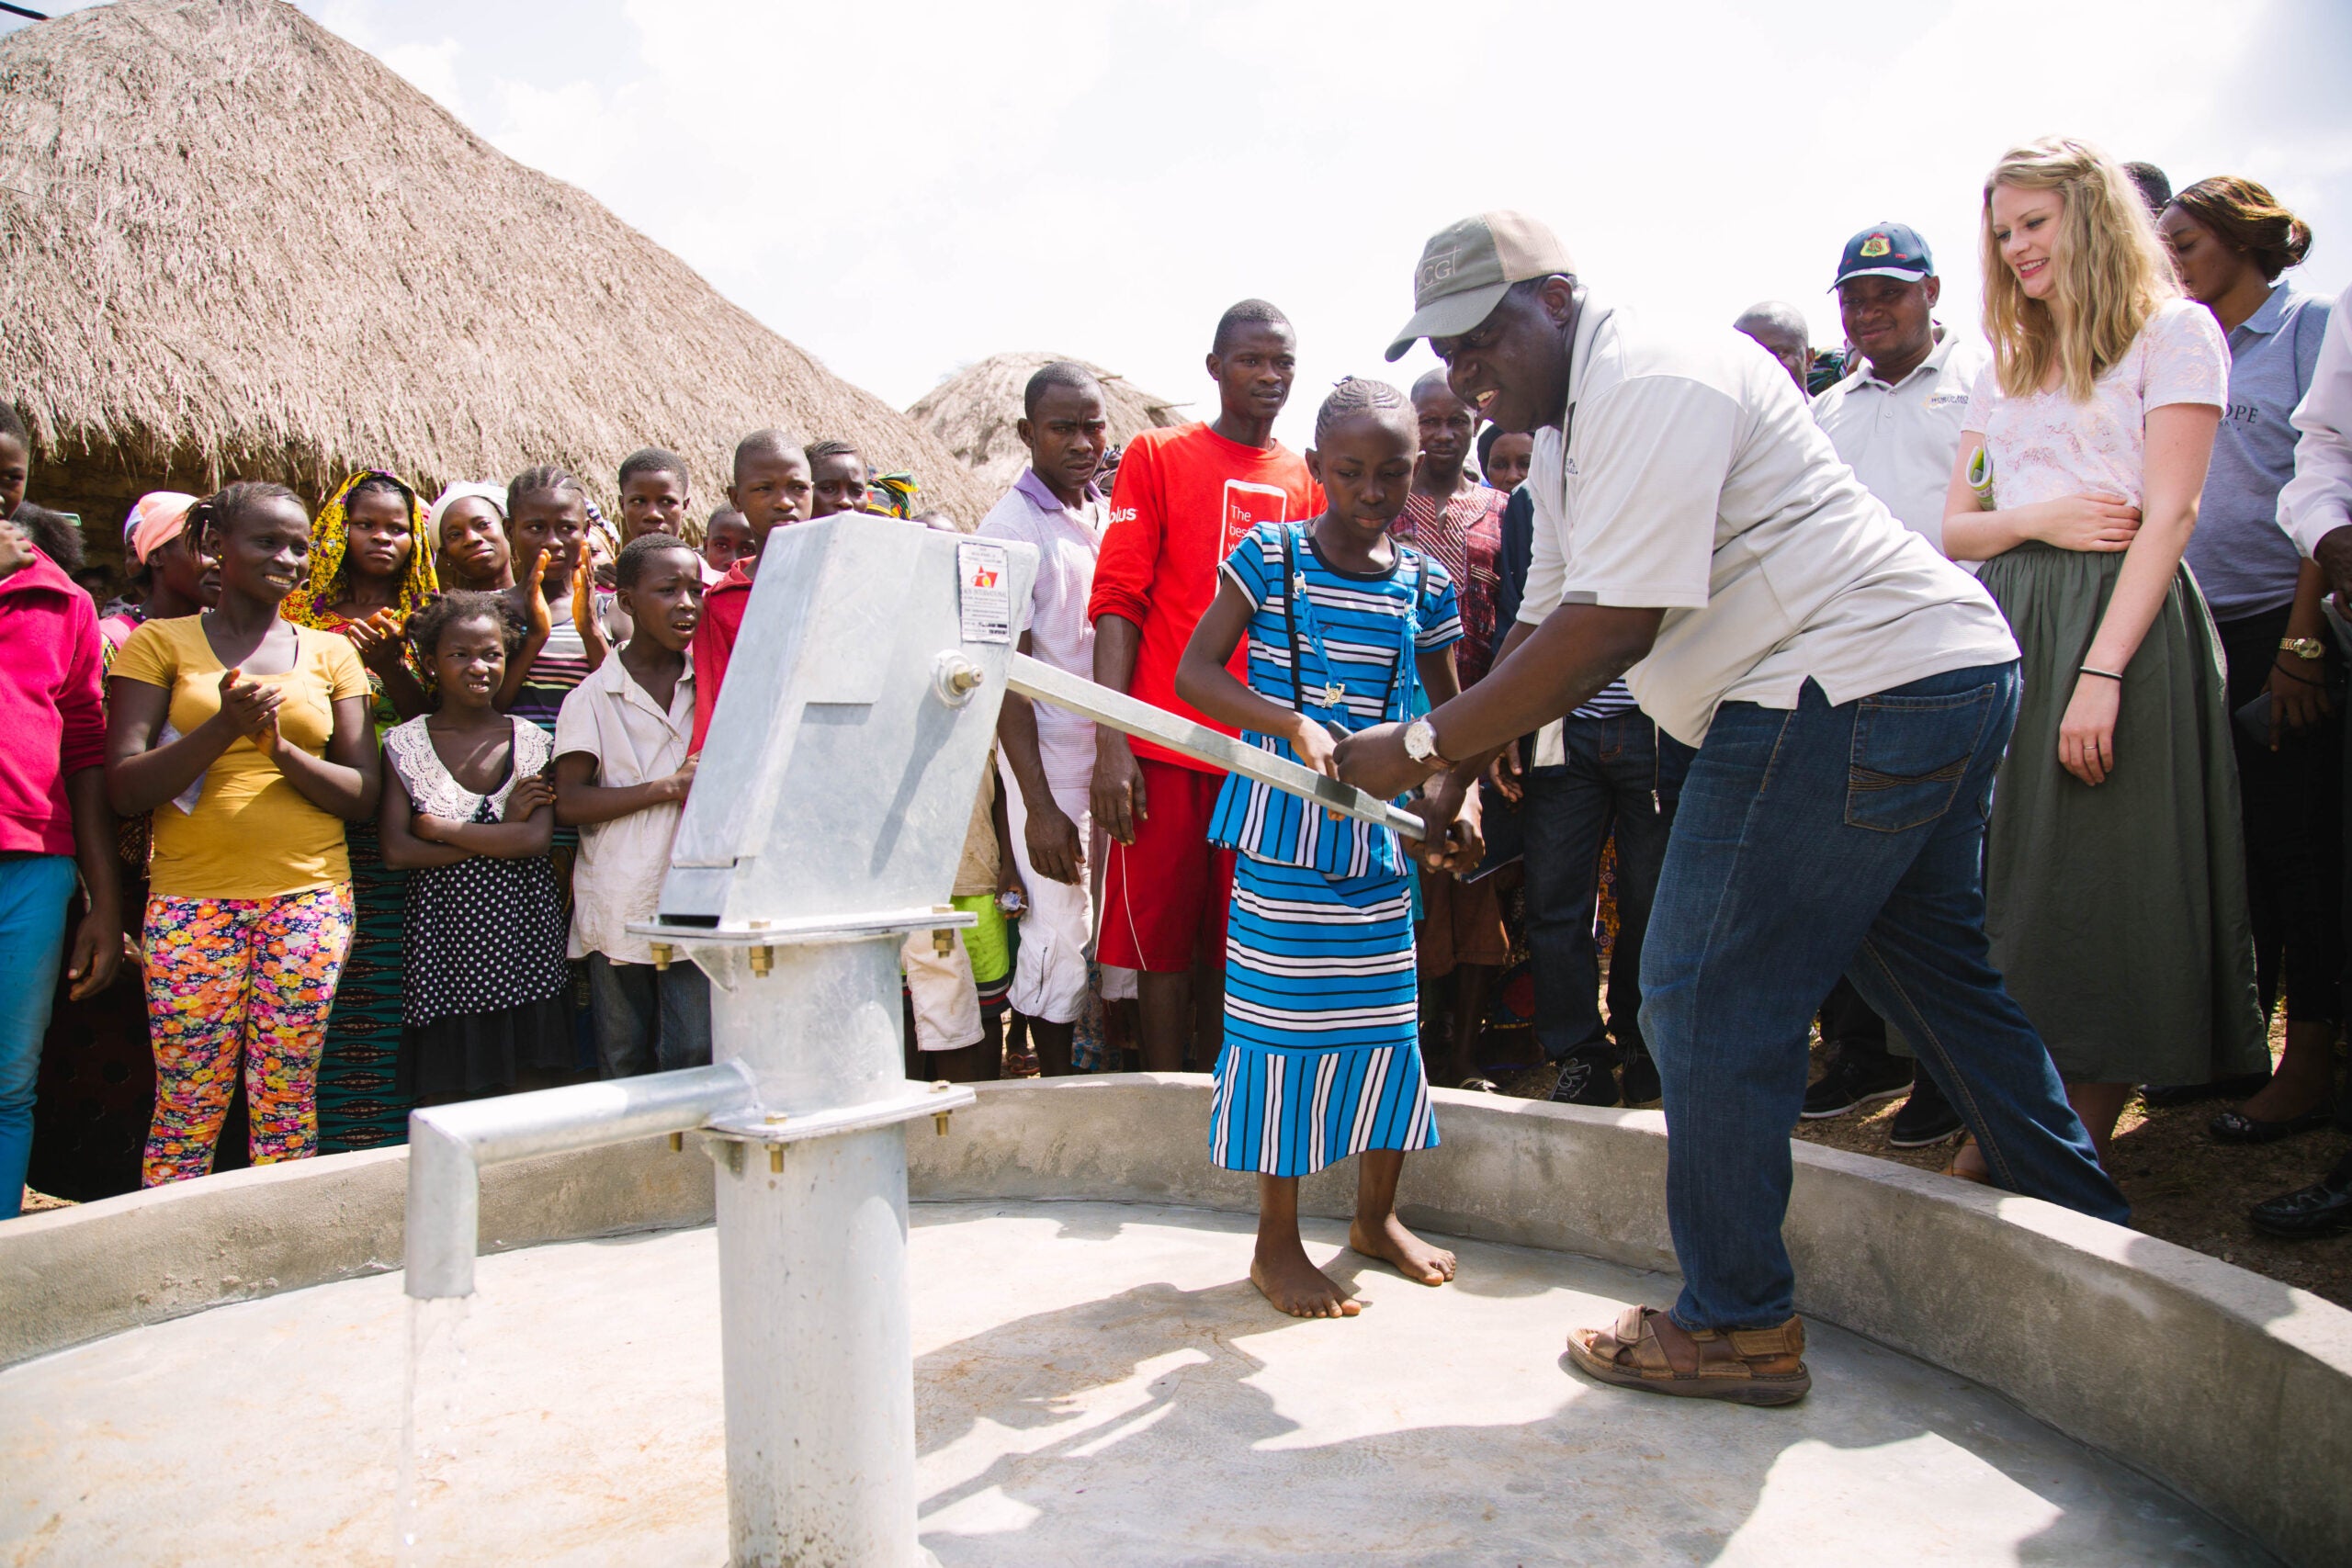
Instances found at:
x=622 y=773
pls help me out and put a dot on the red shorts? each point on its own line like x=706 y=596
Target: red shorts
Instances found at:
x=1165 y=896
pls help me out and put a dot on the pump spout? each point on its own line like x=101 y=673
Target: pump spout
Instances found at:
x=449 y=1144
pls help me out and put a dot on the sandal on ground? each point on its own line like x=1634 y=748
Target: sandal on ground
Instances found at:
x=1477 y=1084
x=2237 y=1127
x=1647 y=1350
x=1967 y=1142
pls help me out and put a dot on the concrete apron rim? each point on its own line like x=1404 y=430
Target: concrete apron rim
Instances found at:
x=2221 y=1383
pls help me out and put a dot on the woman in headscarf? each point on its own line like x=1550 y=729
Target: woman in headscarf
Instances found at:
x=172 y=575
x=467 y=528
x=371 y=569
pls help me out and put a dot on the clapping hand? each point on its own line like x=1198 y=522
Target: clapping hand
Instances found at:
x=249 y=707
x=378 y=638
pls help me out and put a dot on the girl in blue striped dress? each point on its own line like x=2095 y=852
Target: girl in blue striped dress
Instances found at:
x=1322 y=1051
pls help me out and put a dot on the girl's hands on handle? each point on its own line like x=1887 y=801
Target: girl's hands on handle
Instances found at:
x=1315 y=746
x=2097 y=524
x=2086 y=734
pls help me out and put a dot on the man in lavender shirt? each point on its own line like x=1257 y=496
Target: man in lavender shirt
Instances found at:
x=1049 y=752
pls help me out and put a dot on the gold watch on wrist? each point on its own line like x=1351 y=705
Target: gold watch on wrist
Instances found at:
x=2303 y=647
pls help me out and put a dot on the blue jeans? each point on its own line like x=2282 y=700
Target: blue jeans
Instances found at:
x=33 y=894
x=646 y=1018
x=1619 y=774
x=1807 y=843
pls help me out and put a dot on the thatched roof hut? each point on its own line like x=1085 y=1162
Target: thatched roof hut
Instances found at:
x=972 y=412
x=232 y=245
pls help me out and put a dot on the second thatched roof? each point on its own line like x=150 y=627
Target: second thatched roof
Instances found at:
x=973 y=412
x=233 y=245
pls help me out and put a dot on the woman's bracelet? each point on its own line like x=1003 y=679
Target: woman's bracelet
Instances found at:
x=2278 y=667
x=2102 y=675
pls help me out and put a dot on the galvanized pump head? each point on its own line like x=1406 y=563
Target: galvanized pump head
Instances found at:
x=847 y=746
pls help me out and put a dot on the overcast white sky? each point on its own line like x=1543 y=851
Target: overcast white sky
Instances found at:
x=903 y=189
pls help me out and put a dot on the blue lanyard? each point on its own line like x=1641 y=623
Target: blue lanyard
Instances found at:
x=1334 y=693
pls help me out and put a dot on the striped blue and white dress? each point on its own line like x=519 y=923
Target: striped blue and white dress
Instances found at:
x=1322 y=1054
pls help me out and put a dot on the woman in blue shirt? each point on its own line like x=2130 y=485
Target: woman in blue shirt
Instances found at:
x=2231 y=239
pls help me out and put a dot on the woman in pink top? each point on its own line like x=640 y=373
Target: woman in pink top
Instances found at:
x=174 y=576
x=2115 y=881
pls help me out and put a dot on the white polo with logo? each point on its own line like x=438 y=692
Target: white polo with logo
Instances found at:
x=1694 y=480
x=1901 y=440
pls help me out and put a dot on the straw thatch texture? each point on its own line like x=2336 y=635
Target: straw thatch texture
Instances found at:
x=233 y=245
x=972 y=411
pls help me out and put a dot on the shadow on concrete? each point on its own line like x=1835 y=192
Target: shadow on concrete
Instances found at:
x=1160 y=1425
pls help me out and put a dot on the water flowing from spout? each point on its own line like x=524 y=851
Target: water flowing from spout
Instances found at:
x=435 y=1377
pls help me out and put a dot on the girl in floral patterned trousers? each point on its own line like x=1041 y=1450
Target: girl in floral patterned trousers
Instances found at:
x=240 y=980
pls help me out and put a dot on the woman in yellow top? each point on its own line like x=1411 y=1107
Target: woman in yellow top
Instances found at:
x=248 y=737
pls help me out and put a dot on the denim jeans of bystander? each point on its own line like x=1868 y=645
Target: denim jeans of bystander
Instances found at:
x=1808 y=842
x=34 y=890
x=1619 y=774
x=647 y=1019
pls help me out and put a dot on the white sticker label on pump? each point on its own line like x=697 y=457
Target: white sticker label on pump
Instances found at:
x=983 y=591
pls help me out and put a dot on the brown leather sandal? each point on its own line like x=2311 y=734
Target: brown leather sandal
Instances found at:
x=1746 y=1366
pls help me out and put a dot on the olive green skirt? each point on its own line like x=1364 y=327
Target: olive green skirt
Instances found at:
x=2118 y=914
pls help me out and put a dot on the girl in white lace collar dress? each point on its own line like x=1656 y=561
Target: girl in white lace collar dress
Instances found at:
x=469 y=809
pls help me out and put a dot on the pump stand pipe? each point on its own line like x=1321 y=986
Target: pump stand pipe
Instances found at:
x=449 y=1144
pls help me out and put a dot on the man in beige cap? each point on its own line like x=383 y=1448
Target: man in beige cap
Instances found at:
x=1851 y=692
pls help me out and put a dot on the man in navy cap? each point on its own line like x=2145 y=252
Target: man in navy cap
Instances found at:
x=1851 y=692
x=1895 y=419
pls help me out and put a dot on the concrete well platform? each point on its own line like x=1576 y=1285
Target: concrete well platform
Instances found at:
x=1096 y=1383
x=212 y=1372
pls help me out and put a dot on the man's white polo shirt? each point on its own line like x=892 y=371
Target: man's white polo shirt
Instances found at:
x=1694 y=480
x=1901 y=440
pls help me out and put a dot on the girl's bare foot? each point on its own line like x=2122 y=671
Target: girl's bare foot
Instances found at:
x=1388 y=1240
x=1288 y=1279
x=1968 y=1163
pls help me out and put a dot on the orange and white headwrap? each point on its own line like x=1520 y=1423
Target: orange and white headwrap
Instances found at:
x=154 y=522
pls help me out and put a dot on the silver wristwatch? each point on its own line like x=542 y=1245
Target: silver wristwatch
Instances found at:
x=1421 y=743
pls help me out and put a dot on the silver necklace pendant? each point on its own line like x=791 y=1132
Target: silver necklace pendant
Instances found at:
x=1334 y=694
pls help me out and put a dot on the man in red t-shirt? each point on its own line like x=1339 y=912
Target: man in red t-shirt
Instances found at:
x=772 y=490
x=1183 y=499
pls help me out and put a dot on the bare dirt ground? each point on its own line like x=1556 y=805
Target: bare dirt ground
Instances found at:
x=2183 y=1188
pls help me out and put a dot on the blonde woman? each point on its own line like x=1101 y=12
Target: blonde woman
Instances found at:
x=2115 y=880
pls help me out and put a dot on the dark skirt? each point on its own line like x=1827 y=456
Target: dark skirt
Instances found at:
x=2118 y=914
x=467 y=1056
x=361 y=1105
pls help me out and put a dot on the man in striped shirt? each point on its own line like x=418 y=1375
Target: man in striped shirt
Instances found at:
x=1607 y=768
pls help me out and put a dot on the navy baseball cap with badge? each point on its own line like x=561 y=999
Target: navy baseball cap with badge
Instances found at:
x=1885 y=250
x=1467 y=267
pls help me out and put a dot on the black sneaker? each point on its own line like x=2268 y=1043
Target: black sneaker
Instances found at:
x=1855 y=1078
x=1641 y=1077
x=2322 y=1209
x=1927 y=1117
x=1584 y=1081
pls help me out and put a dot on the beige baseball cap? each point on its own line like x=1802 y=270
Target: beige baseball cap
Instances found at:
x=1467 y=267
